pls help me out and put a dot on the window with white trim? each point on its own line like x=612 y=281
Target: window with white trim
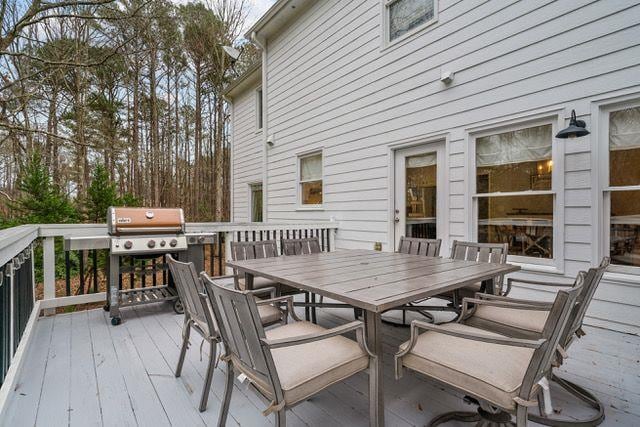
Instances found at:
x=255 y=198
x=622 y=197
x=406 y=16
x=310 y=179
x=515 y=198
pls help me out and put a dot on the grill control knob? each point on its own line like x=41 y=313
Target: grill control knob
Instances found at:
x=201 y=239
x=173 y=243
x=151 y=244
x=128 y=244
x=163 y=243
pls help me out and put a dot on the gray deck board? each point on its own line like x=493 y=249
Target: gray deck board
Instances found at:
x=82 y=371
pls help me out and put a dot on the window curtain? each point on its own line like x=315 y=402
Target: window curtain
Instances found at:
x=421 y=161
x=311 y=168
x=524 y=145
x=624 y=129
x=405 y=15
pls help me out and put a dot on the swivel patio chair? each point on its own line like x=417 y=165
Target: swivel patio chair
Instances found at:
x=501 y=373
x=486 y=312
x=288 y=364
x=196 y=315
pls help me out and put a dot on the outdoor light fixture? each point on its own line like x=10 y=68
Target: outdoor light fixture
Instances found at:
x=576 y=129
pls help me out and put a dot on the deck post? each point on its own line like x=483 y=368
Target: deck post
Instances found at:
x=49 y=266
x=228 y=237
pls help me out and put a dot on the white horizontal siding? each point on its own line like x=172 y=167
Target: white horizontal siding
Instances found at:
x=332 y=86
x=247 y=152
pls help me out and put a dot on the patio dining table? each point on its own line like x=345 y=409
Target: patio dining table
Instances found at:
x=374 y=282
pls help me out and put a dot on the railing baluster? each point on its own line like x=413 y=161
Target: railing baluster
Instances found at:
x=94 y=259
x=67 y=273
x=81 y=289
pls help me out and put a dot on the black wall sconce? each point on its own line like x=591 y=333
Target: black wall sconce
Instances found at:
x=576 y=129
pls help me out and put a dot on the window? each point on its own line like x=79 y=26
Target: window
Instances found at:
x=310 y=179
x=259 y=109
x=255 y=195
x=624 y=186
x=404 y=16
x=514 y=191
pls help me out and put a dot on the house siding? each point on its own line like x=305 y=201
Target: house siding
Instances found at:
x=247 y=151
x=332 y=85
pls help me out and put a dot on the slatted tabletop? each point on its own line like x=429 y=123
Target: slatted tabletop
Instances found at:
x=373 y=281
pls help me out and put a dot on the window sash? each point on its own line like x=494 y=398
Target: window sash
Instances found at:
x=388 y=5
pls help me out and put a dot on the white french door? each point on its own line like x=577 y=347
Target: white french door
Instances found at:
x=419 y=205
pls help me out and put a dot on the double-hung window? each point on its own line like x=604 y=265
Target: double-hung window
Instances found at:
x=310 y=180
x=406 y=16
x=622 y=197
x=259 y=115
x=514 y=200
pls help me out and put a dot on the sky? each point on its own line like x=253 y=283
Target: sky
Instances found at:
x=255 y=9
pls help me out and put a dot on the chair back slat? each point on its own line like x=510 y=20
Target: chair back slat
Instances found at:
x=591 y=282
x=416 y=246
x=241 y=329
x=495 y=253
x=310 y=245
x=189 y=285
x=241 y=251
x=554 y=328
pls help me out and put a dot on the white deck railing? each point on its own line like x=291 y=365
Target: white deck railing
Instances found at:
x=18 y=283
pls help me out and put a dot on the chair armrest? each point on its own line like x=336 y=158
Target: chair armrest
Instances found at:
x=268 y=290
x=469 y=304
x=511 y=280
x=288 y=299
x=491 y=297
x=356 y=325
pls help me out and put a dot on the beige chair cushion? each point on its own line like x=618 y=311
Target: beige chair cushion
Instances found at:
x=509 y=321
x=306 y=369
x=490 y=372
x=269 y=314
x=258 y=283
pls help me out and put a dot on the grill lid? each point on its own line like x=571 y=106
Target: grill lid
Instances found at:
x=122 y=220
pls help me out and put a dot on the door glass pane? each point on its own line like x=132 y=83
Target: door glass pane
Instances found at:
x=625 y=228
x=524 y=222
x=514 y=161
x=421 y=186
x=256 y=203
x=624 y=147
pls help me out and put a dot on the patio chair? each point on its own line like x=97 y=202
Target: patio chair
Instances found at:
x=416 y=246
x=501 y=373
x=241 y=251
x=197 y=315
x=288 y=364
x=486 y=312
x=305 y=246
x=481 y=252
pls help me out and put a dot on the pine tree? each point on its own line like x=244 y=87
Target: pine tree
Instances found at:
x=101 y=194
x=40 y=200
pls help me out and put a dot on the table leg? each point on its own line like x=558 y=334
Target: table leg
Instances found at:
x=373 y=326
x=489 y=287
x=248 y=281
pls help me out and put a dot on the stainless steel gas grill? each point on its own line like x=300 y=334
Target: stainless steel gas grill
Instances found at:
x=147 y=234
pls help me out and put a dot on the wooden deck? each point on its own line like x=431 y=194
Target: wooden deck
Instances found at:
x=81 y=371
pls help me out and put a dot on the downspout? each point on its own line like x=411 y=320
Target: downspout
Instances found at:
x=262 y=44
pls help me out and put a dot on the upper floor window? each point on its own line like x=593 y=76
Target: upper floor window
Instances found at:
x=310 y=179
x=514 y=190
x=404 y=16
x=624 y=186
x=259 y=109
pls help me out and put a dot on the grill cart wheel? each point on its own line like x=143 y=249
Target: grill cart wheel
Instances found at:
x=106 y=307
x=178 y=307
x=115 y=321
